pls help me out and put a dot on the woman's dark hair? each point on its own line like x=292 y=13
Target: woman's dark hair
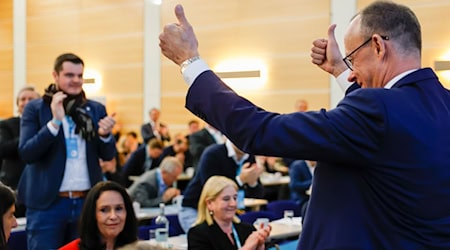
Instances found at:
x=7 y=200
x=89 y=234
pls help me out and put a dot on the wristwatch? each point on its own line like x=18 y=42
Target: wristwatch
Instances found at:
x=184 y=64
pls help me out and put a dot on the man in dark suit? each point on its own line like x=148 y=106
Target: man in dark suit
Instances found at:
x=11 y=166
x=155 y=128
x=155 y=186
x=226 y=160
x=382 y=180
x=145 y=158
x=63 y=135
x=301 y=173
x=201 y=139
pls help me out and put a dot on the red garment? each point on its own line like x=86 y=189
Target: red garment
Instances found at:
x=73 y=245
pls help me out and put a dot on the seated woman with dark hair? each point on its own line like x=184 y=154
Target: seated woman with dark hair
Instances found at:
x=107 y=220
x=217 y=226
x=7 y=209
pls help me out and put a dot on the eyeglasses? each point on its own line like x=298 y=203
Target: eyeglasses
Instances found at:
x=348 y=60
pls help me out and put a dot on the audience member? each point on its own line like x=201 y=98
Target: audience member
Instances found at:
x=221 y=159
x=193 y=126
x=155 y=186
x=301 y=173
x=155 y=128
x=301 y=105
x=107 y=221
x=111 y=170
x=130 y=144
x=11 y=166
x=63 y=135
x=7 y=209
x=198 y=141
x=145 y=158
x=382 y=171
x=217 y=226
x=179 y=149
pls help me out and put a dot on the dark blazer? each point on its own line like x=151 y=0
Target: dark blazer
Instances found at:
x=382 y=180
x=11 y=166
x=147 y=133
x=301 y=179
x=134 y=166
x=198 y=141
x=45 y=154
x=204 y=237
x=215 y=161
x=145 y=190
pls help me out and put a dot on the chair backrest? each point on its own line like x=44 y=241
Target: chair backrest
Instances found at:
x=144 y=231
x=251 y=216
x=174 y=225
x=278 y=207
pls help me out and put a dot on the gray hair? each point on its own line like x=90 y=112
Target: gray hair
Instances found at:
x=169 y=164
x=396 y=21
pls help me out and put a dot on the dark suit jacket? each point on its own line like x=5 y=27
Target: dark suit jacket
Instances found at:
x=204 y=237
x=198 y=141
x=215 y=161
x=45 y=154
x=147 y=133
x=134 y=166
x=301 y=180
x=11 y=166
x=382 y=180
x=145 y=190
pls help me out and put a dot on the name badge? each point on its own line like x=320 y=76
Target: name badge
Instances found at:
x=240 y=199
x=72 y=148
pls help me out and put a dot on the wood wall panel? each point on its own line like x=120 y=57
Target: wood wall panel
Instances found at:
x=6 y=61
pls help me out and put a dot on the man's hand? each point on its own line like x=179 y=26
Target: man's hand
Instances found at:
x=250 y=173
x=178 y=41
x=105 y=125
x=325 y=54
x=170 y=193
x=57 y=105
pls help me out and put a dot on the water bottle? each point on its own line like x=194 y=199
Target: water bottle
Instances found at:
x=162 y=232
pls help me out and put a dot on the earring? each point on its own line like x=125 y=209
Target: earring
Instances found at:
x=211 y=212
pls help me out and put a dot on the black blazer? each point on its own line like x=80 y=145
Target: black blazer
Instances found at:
x=134 y=166
x=204 y=237
x=11 y=166
x=198 y=141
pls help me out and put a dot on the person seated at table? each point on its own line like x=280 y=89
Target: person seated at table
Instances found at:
x=107 y=221
x=7 y=209
x=155 y=186
x=301 y=173
x=179 y=149
x=217 y=226
x=226 y=160
x=145 y=158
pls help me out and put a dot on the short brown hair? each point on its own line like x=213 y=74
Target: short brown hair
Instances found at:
x=66 y=57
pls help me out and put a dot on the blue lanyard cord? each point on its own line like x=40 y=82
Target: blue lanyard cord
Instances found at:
x=236 y=238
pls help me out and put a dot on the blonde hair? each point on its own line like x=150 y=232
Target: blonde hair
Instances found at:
x=212 y=188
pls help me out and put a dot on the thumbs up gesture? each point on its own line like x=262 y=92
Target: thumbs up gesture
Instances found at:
x=325 y=54
x=178 y=41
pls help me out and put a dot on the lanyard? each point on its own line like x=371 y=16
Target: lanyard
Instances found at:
x=236 y=237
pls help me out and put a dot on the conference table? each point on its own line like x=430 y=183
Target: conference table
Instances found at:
x=281 y=229
x=152 y=212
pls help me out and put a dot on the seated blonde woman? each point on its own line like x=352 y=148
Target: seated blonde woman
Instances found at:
x=217 y=226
